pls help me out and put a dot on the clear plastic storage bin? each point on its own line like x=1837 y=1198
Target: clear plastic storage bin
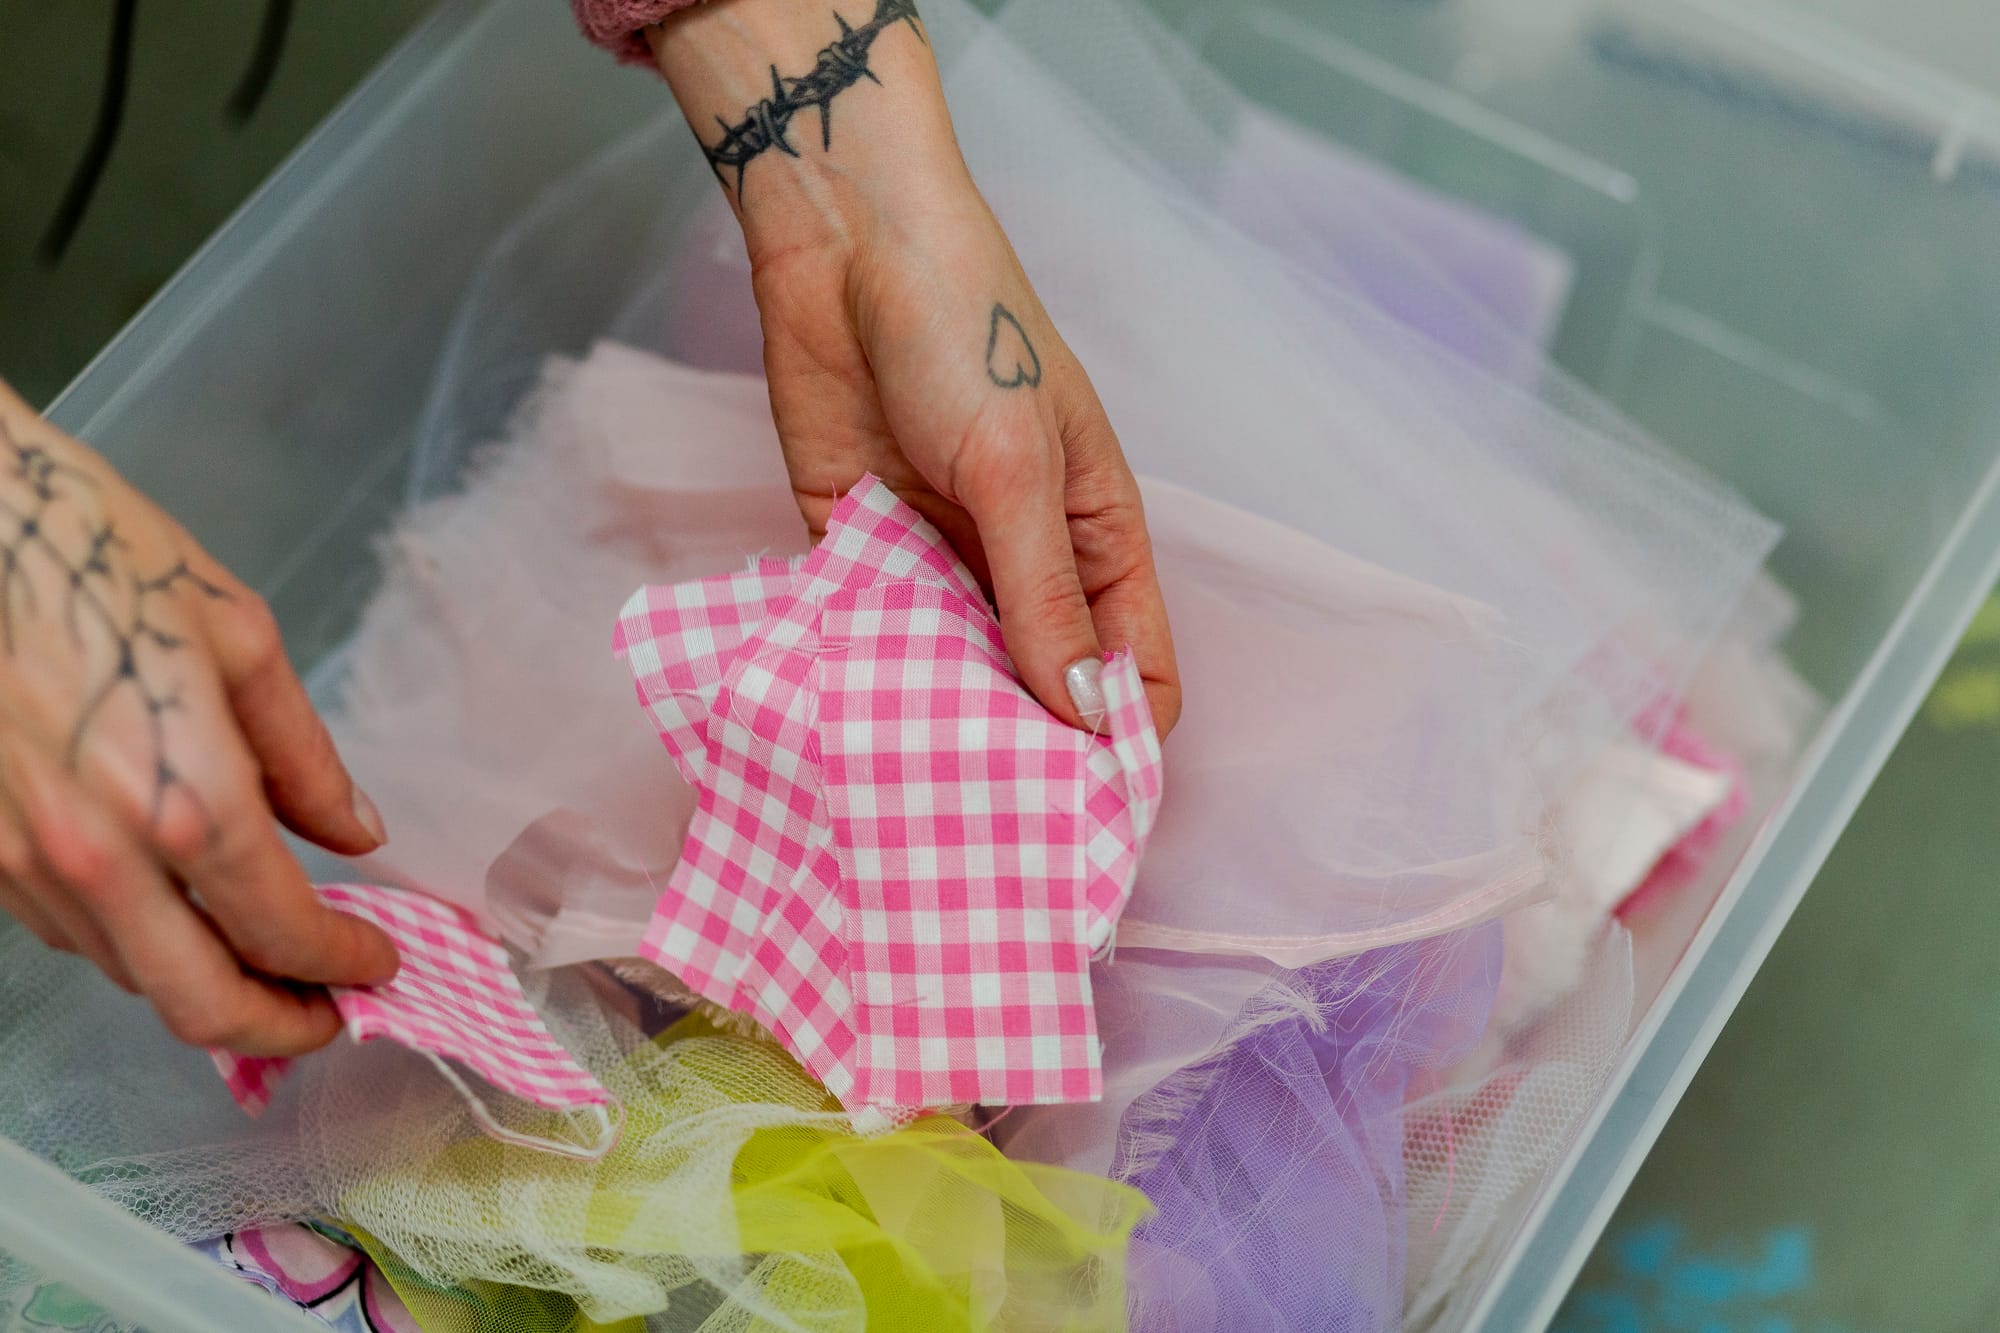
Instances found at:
x=1783 y=247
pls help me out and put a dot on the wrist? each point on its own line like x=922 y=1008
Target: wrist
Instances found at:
x=824 y=121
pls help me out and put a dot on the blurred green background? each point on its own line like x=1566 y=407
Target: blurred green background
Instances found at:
x=1834 y=1166
x=180 y=166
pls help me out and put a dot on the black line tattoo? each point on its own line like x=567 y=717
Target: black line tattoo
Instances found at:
x=840 y=66
x=1006 y=344
x=45 y=503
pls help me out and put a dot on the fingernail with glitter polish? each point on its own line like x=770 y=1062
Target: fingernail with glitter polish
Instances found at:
x=1084 y=677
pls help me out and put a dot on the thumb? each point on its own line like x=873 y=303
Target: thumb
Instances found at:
x=1044 y=615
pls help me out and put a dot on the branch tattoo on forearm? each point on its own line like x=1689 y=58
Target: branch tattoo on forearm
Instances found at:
x=55 y=523
x=840 y=66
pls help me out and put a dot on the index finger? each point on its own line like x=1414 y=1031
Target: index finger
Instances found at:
x=1114 y=552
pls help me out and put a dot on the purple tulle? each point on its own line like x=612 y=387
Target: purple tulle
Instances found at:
x=1277 y=1167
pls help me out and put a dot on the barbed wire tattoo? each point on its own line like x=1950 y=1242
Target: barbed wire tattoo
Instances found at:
x=840 y=66
x=51 y=508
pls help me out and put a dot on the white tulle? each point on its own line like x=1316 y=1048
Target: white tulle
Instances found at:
x=1380 y=777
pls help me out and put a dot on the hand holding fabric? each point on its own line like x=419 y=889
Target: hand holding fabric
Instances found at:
x=152 y=735
x=903 y=339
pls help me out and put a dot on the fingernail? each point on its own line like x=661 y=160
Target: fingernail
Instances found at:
x=370 y=817
x=1085 y=679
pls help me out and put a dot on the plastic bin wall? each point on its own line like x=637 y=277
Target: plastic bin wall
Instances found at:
x=1783 y=270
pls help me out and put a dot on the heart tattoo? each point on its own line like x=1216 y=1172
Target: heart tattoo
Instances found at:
x=1011 y=362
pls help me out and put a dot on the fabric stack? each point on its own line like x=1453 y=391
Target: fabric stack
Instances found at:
x=908 y=1006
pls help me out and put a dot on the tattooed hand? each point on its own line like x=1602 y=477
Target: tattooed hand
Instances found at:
x=901 y=336
x=150 y=727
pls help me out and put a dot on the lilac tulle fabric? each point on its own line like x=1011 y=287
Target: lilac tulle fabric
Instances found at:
x=1277 y=1166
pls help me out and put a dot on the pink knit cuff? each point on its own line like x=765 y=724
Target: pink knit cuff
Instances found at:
x=616 y=25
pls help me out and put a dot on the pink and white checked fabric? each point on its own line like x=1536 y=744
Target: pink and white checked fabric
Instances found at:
x=456 y=998
x=900 y=862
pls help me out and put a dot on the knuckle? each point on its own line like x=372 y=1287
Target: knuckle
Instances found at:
x=999 y=457
x=256 y=641
x=280 y=938
x=1048 y=593
x=82 y=860
x=218 y=828
x=186 y=834
x=200 y=1024
x=1115 y=535
x=1089 y=433
x=269 y=951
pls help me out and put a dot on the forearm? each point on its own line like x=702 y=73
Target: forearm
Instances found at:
x=902 y=338
x=851 y=124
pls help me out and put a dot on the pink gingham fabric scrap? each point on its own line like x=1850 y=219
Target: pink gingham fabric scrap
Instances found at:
x=456 y=999
x=900 y=862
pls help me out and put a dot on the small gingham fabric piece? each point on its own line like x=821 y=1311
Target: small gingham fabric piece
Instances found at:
x=252 y=1081
x=900 y=862
x=455 y=998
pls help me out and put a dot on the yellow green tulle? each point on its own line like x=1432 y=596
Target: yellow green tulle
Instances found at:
x=739 y=1198
x=483 y=1307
